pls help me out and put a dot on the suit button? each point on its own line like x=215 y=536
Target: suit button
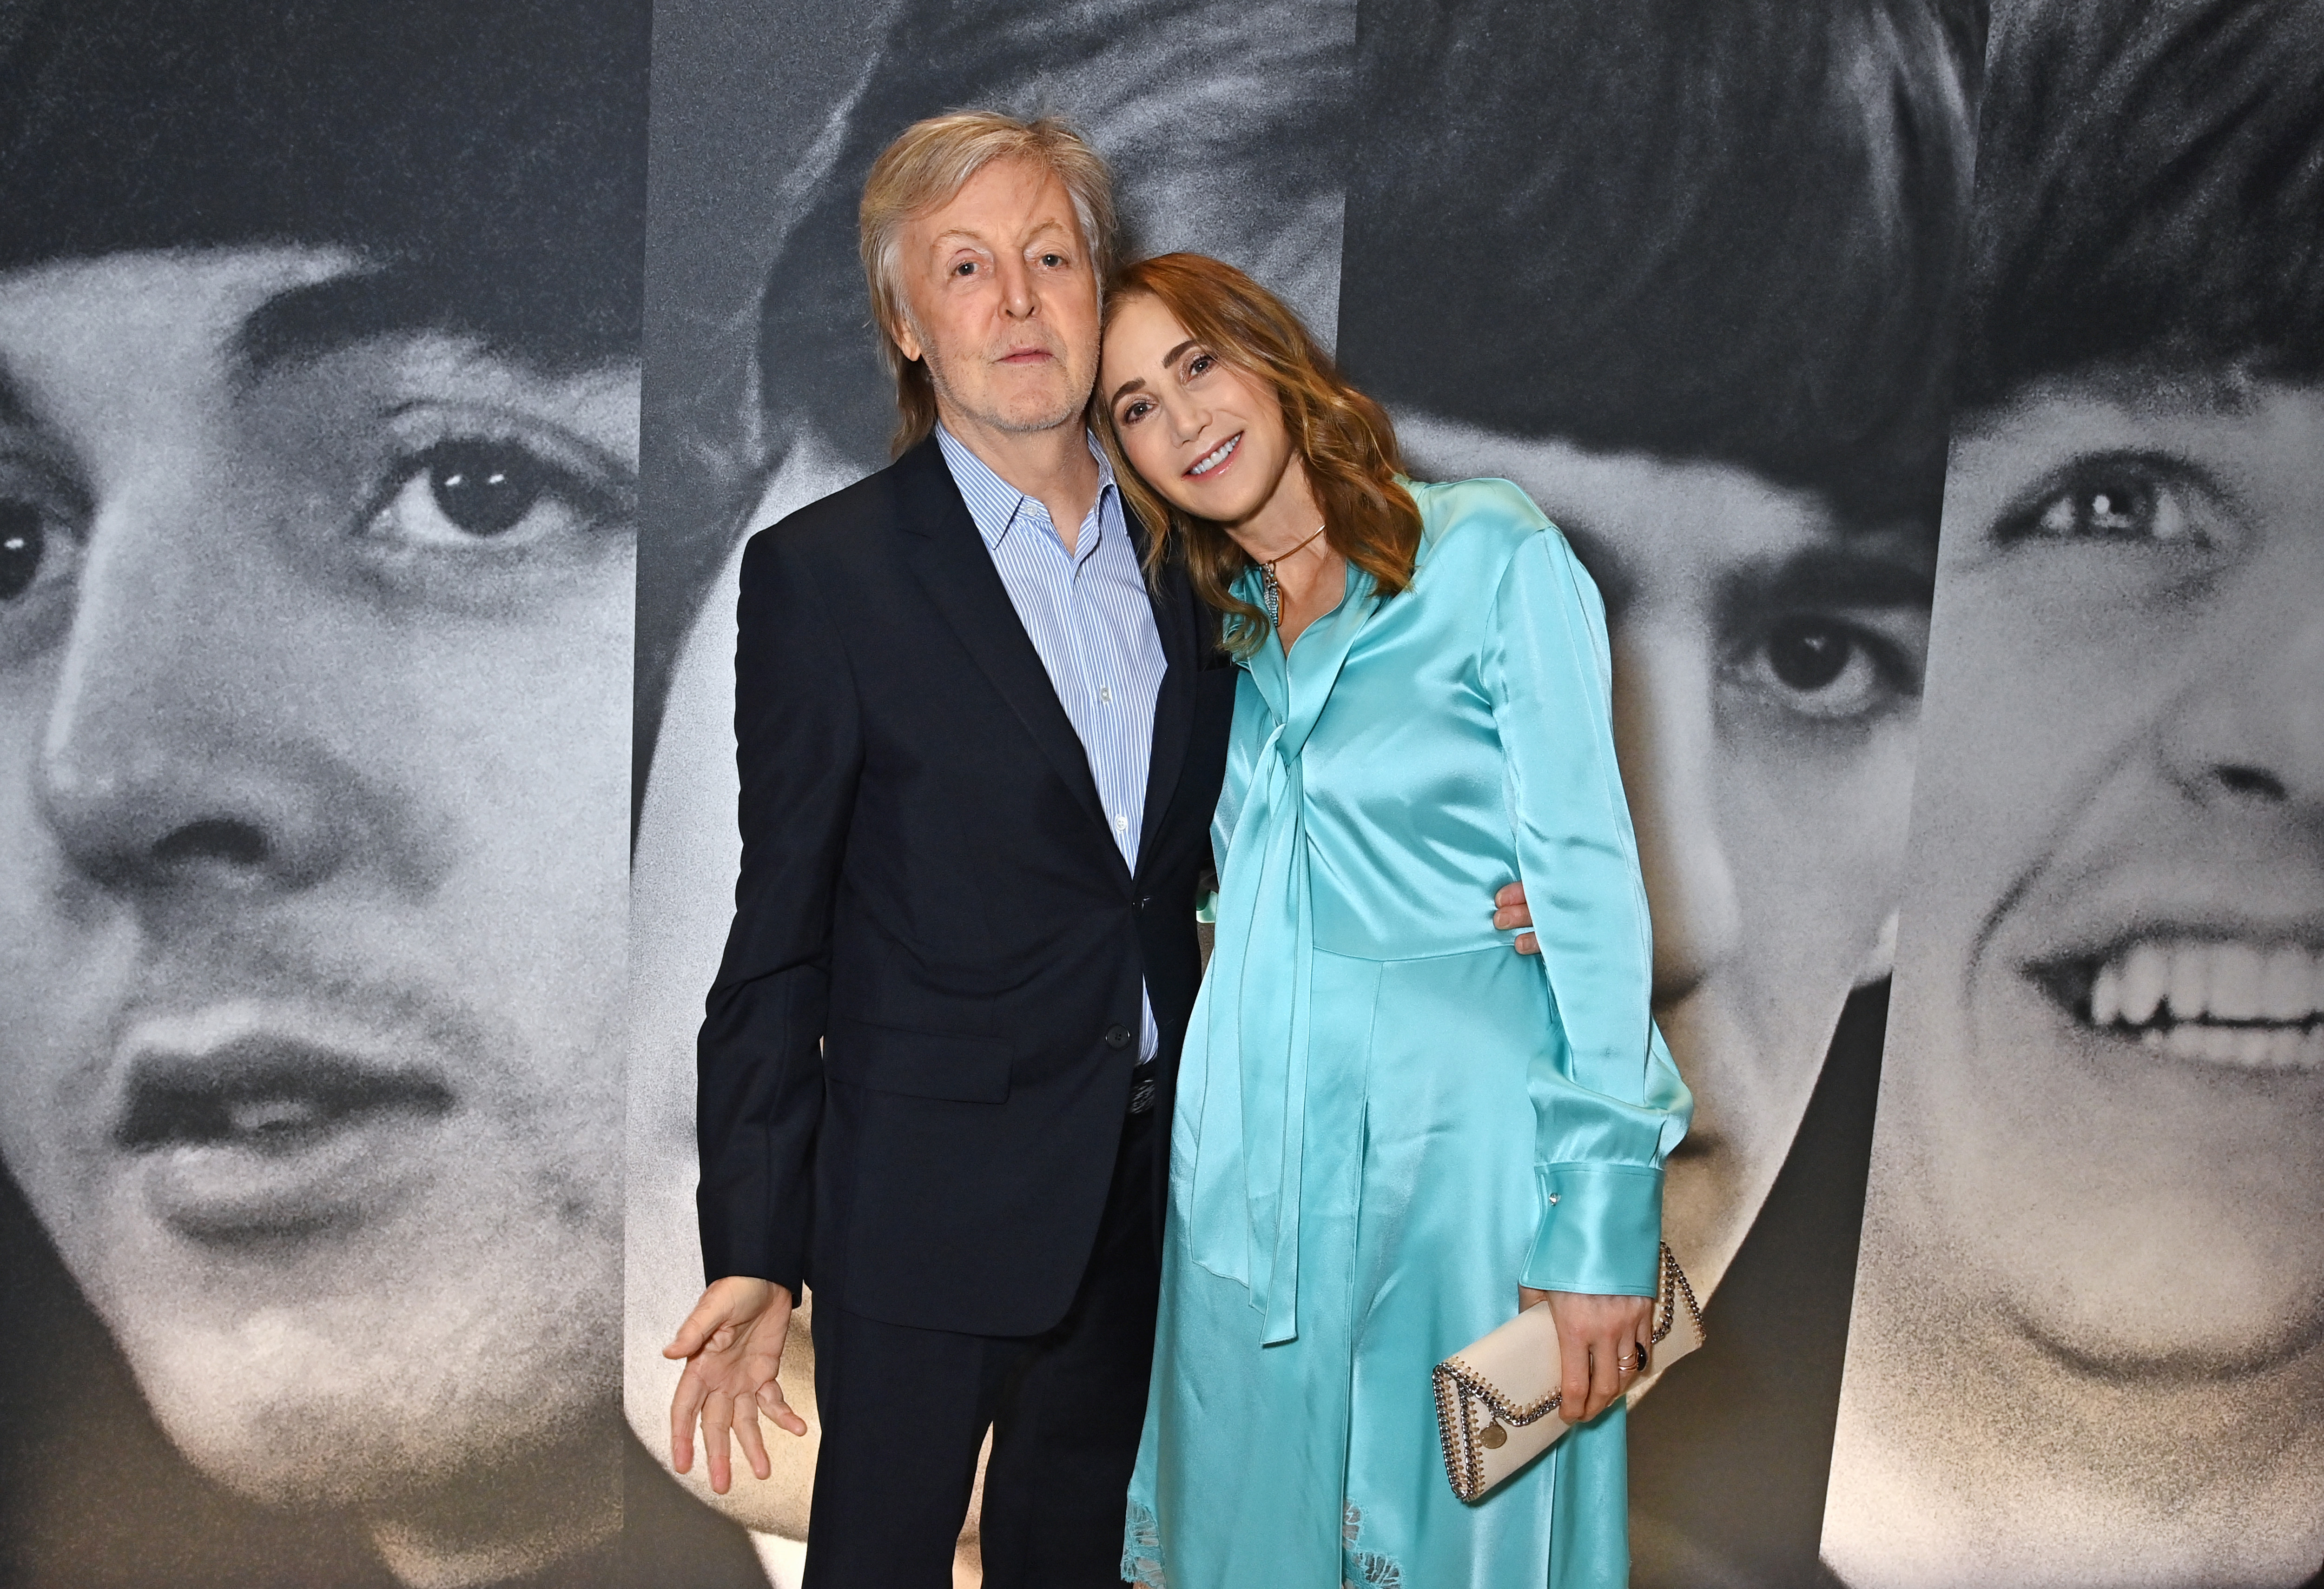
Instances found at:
x=1146 y=902
x=1117 y=1036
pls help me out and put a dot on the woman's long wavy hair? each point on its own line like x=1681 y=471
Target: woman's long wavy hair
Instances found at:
x=1342 y=438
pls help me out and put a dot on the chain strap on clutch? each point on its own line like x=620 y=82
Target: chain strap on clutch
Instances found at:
x=1495 y=1397
x=1676 y=1289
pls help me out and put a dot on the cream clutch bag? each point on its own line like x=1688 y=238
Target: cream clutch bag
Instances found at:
x=1497 y=1398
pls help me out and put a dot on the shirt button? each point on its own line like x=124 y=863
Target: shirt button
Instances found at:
x=1105 y=694
x=1121 y=824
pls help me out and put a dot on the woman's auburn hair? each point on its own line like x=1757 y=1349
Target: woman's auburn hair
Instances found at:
x=1343 y=438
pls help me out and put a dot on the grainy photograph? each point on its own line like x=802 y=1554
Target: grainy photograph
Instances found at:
x=1684 y=272
x=1223 y=124
x=318 y=397
x=2089 y=1337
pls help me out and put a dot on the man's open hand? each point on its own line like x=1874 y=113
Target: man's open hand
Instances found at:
x=1509 y=910
x=733 y=1345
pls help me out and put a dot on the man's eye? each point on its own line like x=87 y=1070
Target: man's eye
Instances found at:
x=967 y=267
x=36 y=549
x=1053 y=260
x=1825 y=668
x=463 y=492
x=23 y=544
x=2109 y=500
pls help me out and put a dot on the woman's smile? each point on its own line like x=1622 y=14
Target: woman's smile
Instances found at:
x=1215 y=460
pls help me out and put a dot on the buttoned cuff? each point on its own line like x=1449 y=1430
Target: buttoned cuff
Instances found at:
x=1600 y=1230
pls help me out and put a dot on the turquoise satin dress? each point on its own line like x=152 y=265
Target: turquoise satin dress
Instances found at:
x=1387 y=1119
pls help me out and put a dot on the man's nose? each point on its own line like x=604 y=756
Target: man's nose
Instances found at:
x=1017 y=299
x=173 y=766
x=1665 y=732
x=2250 y=734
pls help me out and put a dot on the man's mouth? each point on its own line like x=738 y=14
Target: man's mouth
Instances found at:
x=2232 y=1002
x=1027 y=355
x=1216 y=458
x=249 y=1128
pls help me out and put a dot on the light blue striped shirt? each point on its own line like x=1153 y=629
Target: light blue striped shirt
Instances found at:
x=1087 y=614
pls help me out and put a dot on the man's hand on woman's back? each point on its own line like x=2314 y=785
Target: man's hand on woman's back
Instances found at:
x=1509 y=910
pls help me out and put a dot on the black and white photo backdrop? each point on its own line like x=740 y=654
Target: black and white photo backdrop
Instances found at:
x=2088 y=1346
x=1935 y=393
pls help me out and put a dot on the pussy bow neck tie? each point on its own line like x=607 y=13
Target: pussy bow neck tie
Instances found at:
x=1244 y=1213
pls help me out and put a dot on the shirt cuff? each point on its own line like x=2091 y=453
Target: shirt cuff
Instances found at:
x=1600 y=1230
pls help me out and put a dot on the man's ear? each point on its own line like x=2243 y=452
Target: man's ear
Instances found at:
x=907 y=342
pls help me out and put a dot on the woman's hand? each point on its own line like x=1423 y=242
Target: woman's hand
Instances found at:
x=1601 y=1346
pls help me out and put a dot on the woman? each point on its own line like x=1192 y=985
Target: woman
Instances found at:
x=1390 y=1133
x=1748 y=461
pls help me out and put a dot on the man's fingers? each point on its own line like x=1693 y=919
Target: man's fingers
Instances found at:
x=771 y=1403
x=1527 y=944
x=685 y=1406
x=1511 y=893
x=718 y=1413
x=746 y=1431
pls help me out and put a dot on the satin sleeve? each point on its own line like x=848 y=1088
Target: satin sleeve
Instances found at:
x=1607 y=1100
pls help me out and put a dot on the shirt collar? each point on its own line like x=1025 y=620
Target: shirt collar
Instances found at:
x=993 y=503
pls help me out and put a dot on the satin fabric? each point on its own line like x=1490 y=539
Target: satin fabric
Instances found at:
x=1386 y=1119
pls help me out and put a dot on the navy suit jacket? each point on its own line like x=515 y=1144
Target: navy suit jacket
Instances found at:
x=915 y=1062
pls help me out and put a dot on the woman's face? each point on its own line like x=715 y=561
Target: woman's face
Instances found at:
x=1205 y=434
x=315 y=657
x=1766 y=690
x=2107 y=1064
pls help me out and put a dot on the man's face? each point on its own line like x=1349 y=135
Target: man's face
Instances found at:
x=2106 y=1067
x=1002 y=302
x=1767 y=685
x=314 y=707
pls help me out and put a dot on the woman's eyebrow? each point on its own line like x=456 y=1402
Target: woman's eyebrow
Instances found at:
x=1138 y=383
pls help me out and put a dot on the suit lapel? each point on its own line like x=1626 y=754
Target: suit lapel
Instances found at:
x=1174 y=705
x=956 y=570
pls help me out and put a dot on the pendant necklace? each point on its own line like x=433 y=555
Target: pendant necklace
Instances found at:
x=1272 y=593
